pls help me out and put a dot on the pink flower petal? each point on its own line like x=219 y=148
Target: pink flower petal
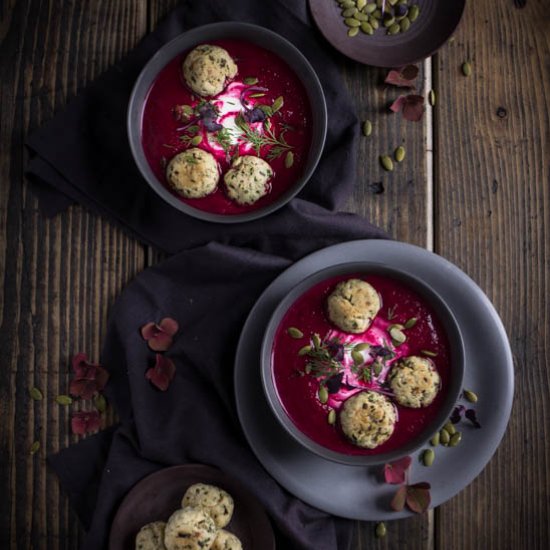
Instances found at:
x=397 y=105
x=78 y=360
x=169 y=326
x=418 y=497
x=160 y=342
x=413 y=108
x=101 y=378
x=84 y=422
x=402 y=77
x=398 y=501
x=162 y=374
x=395 y=472
x=149 y=330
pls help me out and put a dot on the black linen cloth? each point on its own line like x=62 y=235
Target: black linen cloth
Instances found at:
x=209 y=285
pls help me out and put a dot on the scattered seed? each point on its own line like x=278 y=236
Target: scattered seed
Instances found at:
x=361 y=347
x=347 y=4
x=361 y=4
x=435 y=440
x=250 y=80
x=36 y=394
x=411 y=322
x=396 y=325
x=294 y=332
x=388 y=21
x=357 y=357
x=466 y=68
x=428 y=457
x=386 y=163
x=349 y=12
x=470 y=396
x=361 y=17
x=304 y=351
x=367 y=128
x=394 y=29
x=351 y=22
x=455 y=439
x=100 y=403
x=431 y=98
x=289 y=159
x=370 y=8
x=450 y=427
x=397 y=335
x=259 y=94
x=374 y=22
x=354 y=31
x=196 y=141
x=381 y=530
x=428 y=353
x=414 y=12
x=316 y=339
x=64 y=400
x=331 y=418
x=444 y=437
x=367 y=28
x=405 y=24
x=277 y=104
x=323 y=394
x=399 y=154
x=35 y=447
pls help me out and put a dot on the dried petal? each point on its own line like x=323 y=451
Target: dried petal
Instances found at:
x=470 y=414
x=395 y=472
x=84 y=422
x=161 y=342
x=334 y=383
x=83 y=388
x=255 y=115
x=397 y=105
x=159 y=337
x=418 y=497
x=413 y=108
x=398 y=501
x=89 y=378
x=162 y=373
x=458 y=411
x=169 y=325
x=149 y=330
x=402 y=77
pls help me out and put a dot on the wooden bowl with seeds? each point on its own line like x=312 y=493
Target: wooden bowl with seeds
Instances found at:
x=389 y=33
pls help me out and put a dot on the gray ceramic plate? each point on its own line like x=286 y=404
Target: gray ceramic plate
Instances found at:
x=218 y=31
x=357 y=492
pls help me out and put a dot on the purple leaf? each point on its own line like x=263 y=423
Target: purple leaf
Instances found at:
x=398 y=501
x=403 y=77
x=255 y=115
x=456 y=417
x=334 y=383
x=396 y=472
x=418 y=497
x=470 y=414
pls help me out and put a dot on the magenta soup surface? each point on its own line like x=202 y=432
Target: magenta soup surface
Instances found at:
x=161 y=131
x=298 y=392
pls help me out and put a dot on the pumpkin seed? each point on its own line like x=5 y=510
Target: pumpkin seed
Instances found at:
x=193 y=129
x=349 y=12
x=377 y=14
x=405 y=24
x=316 y=339
x=435 y=439
x=370 y=8
x=357 y=357
x=381 y=530
x=347 y=4
x=374 y=22
x=377 y=368
x=414 y=12
x=196 y=141
x=294 y=332
x=394 y=29
x=450 y=427
x=289 y=159
x=35 y=447
x=331 y=418
x=411 y=322
x=361 y=347
x=397 y=335
x=396 y=325
x=361 y=4
x=367 y=125
x=399 y=154
x=389 y=20
x=351 y=22
x=250 y=80
x=304 y=350
x=363 y=17
x=36 y=394
x=455 y=439
x=366 y=27
x=431 y=98
x=428 y=353
x=470 y=396
x=323 y=394
x=259 y=94
x=64 y=400
x=428 y=457
x=444 y=437
x=100 y=403
x=277 y=104
x=354 y=31
x=386 y=163
x=466 y=68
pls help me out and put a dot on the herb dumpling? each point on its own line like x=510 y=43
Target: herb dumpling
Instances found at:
x=353 y=305
x=247 y=180
x=214 y=501
x=189 y=529
x=207 y=69
x=226 y=541
x=368 y=419
x=151 y=536
x=414 y=381
x=194 y=173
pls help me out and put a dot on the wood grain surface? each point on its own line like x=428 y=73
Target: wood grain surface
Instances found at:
x=486 y=209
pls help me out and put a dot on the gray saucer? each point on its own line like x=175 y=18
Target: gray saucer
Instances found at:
x=357 y=492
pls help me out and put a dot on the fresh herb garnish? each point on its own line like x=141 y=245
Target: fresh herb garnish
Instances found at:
x=391 y=312
x=259 y=140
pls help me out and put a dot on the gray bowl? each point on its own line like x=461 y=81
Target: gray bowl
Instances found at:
x=443 y=313
x=219 y=31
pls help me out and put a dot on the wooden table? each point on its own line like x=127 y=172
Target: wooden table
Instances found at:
x=475 y=187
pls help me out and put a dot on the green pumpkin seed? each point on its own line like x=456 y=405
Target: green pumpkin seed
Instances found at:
x=367 y=126
x=414 y=12
x=431 y=98
x=399 y=154
x=349 y=12
x=470 y=396
x=361 y=4
x=196 y=141
x=444 y=436
x=277 y=104
x=455 y=439
x=394 y=29
x=405 y=24
x=428 y=353
x=366 y=27
x=357 y=357
x=435 y=440
x=374 y=22
x=36 y=394
x=389 y=20
x=450 y=427
x=289 y=159
x=428 y=457
x=377 y=368
x=250 y=80
x=370 y=8
x=294 y=332
x=351 y=22
x=316 y=339
x=396 y=325
x=411 y=322
x=100 y=403
x=347 y=4
x=63 y=400
x=377 y=14
x=361 y=347
x=381 y=530
x=397 y=335
x=193 y=129
x=386 y=163
x=354 y=31
x=363 y=17
x=304 y=350
x=323 y=394
x=331 y=418
x=259 y=94
x=466 y=68
x=35 y=447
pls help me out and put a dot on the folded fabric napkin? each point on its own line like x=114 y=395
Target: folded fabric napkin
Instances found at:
x=209 y=287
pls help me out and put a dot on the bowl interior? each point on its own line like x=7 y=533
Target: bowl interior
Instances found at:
x=444 y=315
x=219 y=31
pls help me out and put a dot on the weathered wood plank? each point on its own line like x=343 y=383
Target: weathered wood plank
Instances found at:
x=493 y=220
x=58 y=277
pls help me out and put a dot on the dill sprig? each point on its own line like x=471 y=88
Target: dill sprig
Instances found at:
x=259 y=140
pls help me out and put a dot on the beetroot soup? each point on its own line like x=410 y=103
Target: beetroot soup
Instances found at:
x=297 y=383
x=264 y=111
